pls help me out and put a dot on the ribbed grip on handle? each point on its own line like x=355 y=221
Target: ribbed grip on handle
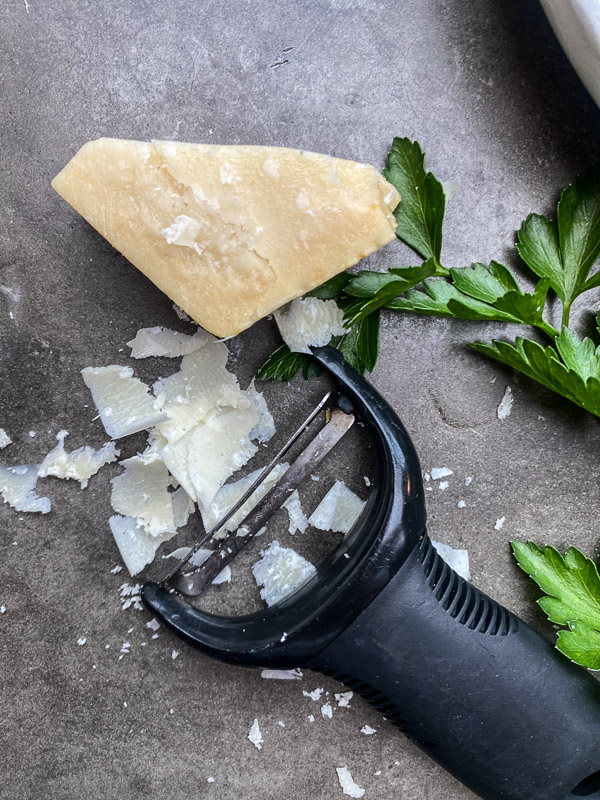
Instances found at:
x=479 y=690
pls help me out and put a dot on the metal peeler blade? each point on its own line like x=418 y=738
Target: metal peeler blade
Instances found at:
x=194 y=582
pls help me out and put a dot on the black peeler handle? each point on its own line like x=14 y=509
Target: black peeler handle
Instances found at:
x=475 y=687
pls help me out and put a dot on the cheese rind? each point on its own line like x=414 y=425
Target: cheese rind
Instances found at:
x=230 y=233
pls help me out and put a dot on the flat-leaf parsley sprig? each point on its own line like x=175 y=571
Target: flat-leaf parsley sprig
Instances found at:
x=559 y=253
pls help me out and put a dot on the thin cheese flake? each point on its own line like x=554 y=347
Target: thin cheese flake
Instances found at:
x=348 y=784
x=309 y=321
x=298 y=520
x=183 y=506
x=141 y=492
x=229 y=494
x=5 y=439
x=78 y=465
x=280 y=572
x=17 y=487
x=124 y=403
x=137 y=548
x=457 y=559
x=162 y=342
x=338 y=510
x=255 y=735
x=230 y=233
x=282 y=674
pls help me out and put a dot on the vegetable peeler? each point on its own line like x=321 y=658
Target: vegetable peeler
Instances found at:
x=470 y=683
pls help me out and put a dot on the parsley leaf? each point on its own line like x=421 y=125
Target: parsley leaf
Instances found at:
x=283 y=365
x=565 y=251
x=572 y=369
x=571 y=587
x=420 y=212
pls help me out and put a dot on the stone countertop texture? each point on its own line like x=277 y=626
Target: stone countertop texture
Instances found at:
x=489 y=94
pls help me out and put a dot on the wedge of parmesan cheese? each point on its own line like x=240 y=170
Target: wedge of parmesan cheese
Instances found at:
x=309 y=321
x=17 y=487
x=338 y=510
x=230 y=233
x=124 y=403
x=141 y=492
x=159 y=341
x=78 y=465
x=280 y=572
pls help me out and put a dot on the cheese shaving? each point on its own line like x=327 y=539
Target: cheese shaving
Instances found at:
x=17 y=487
x=298 y=520
x=282 y=674
x=183 y=506
x=5 y=439
x=349 y=787
x=229 y=494
x=457 y=559
x=209 y=454
x=309 y=321
x=280 y=572
x=141 y=492
x=77 y=465
x=137 y=548
x=162 y=342
x=124 y=403
x=338 y=510
x=265 y=428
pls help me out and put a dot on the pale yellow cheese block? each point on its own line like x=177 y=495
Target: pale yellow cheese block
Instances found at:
x=253 y=227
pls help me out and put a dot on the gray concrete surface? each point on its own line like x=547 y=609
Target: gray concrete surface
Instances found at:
x=486 y=89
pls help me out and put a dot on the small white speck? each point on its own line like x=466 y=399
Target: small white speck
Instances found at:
x=281 y=723
x=443 y=485
x=377 y=773
x=461 y=504
x=155 y=635
x=94 y=666
x=499 y=523
x=468 y=481
x=126 y=647
x=429 y=489
x=542 y=418
x=116 y=569
x=506 y=404
x=210 y=780
x=81 y=641
x=124 y=705
x=315 y=478
x=311 y=717
x=130 y=630
x=440 y=472
x=107 y=647
x=171 y=711
x=368 y=730
x=174 y=654
x=427 y=477
x=2 y=609
x=366 y=480
x=283 y=636
x=154 y=624
x=32 y=434
x=327 y=711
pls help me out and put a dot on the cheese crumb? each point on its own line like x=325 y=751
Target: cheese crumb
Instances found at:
x=440 y=472
x=338 y=510
x=343 y=699
x=506 y=404
x=77 y=465
x=5 y=439
x=499 y=523
x=315 y=695
x=154 y=624
x=309 y=321
x=298 y=520
x=280 y=572
x=17 y=487
x=182 y=231
x=443 y=485
x=81 y=641
x=461 y=504
x=457 y=559
x=163 y=342
x=349 y=787
x=174 y=654
x=368 y=730
x=255 y=735
x=327 y=711
x=282 y=674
